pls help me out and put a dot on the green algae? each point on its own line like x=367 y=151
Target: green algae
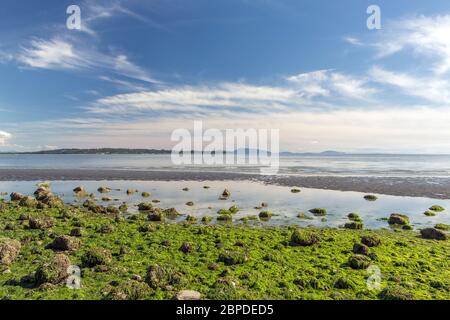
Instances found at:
x=229 y=261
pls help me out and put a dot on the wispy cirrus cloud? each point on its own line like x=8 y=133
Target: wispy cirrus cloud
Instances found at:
x=60 y=54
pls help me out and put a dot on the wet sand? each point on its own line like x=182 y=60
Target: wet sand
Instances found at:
x=438 y=188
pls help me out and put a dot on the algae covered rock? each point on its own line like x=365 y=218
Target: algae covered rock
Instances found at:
x=128 y=290
x=434 y=234
x=9 y=251
x=104 y=189
x=303 y=238
x=359 y=261
x=318 y=211
x=437 y=208
x=162 y=276
x=233 y=257
x=145 y=206
x=40 y=223
x=398 y=219
x=95 y=257
x=65 y=243
x=395 y=293
x=354 y=225
x=54 y=272
x=29 y=202
x=371 y=241
x=370 y=197
x=16 y=196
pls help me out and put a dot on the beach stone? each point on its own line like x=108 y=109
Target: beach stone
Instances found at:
x=190 y=203
x=225 y=195
x=434 y=234
x=131 y=191
x=145 y=194
x=187 y=295
x=16 y=196
x=53 y=272
x=65 y=243
x=9 y=251
x=76 y=232
x=354 y=225
x=397 y=218
x=80 y=189
x=171 y=213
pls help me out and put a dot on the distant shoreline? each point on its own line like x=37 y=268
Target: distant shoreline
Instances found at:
x=438 y=188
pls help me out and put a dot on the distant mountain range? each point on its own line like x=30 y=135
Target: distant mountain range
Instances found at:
x=156 y=151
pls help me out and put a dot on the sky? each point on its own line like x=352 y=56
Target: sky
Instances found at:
x=137 y=70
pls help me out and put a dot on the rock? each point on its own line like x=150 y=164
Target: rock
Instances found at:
x=129 y=290
x=187 y=295
x=123 y=207
x=161 y=276
x=40 y=223
x=190 y=218
x=442 y=226
x=145 y=194
x=65 y=243
x=354 y=225
x=76 y=232
x=371 y=241
x=9 y=251
x=370 y=197
x=233 y=257
x=225 y=195
x=265 y=215
x=16 y=196
x=95 y=257
x=303 y=238
x=429 y=213
x=156 y=215
x=52 y=201
x=186 y=247
x=395 y=293
x=104 y=189
x=190 y=203
x=206 y=187
x=112 y=210
x=343 y=283
x=437 y=208
x=53 y=272
x=106 y=199
x=354 y=217
x=295 y=190
x=359 y=261
x=106 y=229
x=434 y=234
x=318 y=211
x=29 y=202
x=80 y=190
x=41 y=193
x=145 y=206
x=131 y=191
x=360 y=249
x=171 y=213
x=225 y=217
x=399 y=219
x=185 y=189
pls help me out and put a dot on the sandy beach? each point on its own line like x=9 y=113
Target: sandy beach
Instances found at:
x=437 y=188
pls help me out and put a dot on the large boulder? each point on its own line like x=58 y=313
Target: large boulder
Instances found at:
x=53 y=272
x=434 y=234
x=9 y=251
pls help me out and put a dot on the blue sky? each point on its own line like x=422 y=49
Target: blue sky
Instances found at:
x=140 y=69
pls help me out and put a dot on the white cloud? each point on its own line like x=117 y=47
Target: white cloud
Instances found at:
x=196 y=98
x=59 y=54
x=427 y=36
x=4 y=136
x=354 y=41
x=433 y=89
x=325 y=82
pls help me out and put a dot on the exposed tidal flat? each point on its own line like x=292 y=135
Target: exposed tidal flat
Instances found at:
x=160 y=240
